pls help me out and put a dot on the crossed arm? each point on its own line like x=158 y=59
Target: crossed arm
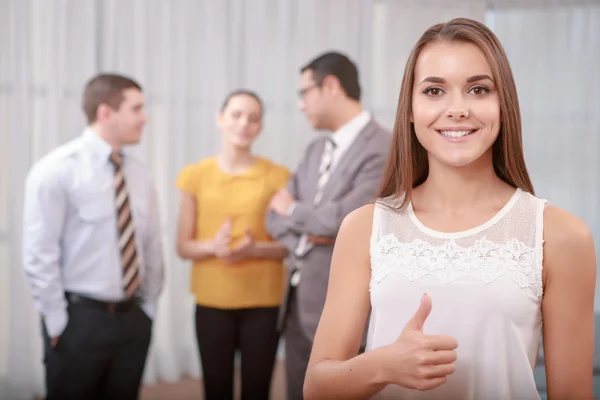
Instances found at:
x=321 y=222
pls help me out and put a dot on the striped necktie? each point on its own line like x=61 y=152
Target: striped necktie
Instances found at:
x=126 y=229
x=324 y=169
x=304 y=246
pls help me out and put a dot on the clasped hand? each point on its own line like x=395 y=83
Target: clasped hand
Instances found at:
x=221 y=245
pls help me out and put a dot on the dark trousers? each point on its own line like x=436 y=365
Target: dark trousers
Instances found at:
x=100 y=355
x=252 y=331
x=297 y=350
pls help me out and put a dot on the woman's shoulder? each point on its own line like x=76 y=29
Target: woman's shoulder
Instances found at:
x=393 y=202
x=204 y=163
x=199 y=166
x=381 y=207
x=563 y=229
x=560 y=226
x=276 y=171
x=360 y=220
x=190 y=175
x=272 y=164
x=569 y=258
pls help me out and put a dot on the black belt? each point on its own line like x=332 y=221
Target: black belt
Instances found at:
x=111 y=307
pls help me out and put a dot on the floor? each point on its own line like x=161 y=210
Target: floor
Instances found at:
x=192 y=388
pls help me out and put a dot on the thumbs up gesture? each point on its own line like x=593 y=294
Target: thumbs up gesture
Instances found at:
x=420 y=361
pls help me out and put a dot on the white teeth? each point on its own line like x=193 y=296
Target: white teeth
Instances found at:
x=455 y=133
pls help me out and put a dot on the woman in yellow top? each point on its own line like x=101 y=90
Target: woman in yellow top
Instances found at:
x=237 y=274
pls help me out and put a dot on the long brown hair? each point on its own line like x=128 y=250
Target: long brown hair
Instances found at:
x=407 y=164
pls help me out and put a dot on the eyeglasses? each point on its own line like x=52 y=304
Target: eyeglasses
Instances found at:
x=302 y=92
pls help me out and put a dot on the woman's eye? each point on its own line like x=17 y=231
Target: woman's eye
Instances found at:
x=479 y=90
x=433 y=91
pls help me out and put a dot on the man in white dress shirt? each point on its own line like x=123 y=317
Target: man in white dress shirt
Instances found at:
x=92 y=249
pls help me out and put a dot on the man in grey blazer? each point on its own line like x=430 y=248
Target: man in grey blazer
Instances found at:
x=340 y=172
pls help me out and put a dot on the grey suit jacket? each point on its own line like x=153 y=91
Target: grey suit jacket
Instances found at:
x=353 y=183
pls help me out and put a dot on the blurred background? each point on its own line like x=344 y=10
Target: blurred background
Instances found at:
x=188 y=54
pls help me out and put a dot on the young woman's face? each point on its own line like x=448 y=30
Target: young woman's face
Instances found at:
x=240 y=121
x=455 y=105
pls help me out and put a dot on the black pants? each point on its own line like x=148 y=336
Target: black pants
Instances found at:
x=220 y=333
x=100 y=354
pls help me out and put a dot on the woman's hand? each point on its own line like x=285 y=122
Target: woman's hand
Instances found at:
x=220 y=244
x=416 y=360
x=246 y=249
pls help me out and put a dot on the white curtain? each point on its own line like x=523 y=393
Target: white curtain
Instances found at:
x=189 y=54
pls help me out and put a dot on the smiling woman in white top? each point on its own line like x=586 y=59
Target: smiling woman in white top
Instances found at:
x=458 y=262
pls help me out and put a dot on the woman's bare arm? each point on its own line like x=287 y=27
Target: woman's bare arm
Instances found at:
x=249 y=249
x=568 y=305
x=335 y=371
x=187 y=245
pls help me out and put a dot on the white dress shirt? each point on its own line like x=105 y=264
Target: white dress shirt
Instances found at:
x=70 y=235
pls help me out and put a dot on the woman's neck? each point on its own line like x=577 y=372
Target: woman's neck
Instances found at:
x=235 y=160
x=457 y=189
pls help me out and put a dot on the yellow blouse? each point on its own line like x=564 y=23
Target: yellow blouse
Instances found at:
x=244 y=199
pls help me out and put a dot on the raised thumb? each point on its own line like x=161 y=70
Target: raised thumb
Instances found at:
x=418 y=320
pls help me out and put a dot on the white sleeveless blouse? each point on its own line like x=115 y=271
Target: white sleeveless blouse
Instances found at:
x=486 y=289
